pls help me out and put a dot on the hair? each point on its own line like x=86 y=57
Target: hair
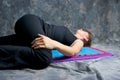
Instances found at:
x=88 y=43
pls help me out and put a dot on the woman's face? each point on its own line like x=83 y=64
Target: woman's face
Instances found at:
x=81 y=34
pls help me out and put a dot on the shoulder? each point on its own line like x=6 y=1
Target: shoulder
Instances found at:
x=77 y=45
x=78 y=41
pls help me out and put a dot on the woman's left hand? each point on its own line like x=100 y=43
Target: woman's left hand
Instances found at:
x=42 y=42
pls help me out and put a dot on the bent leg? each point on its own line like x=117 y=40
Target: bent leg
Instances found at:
x=27 y=29
x=29 y=26
x=18 y=57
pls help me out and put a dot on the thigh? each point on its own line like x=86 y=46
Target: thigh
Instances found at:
x=13 y=39
x=29 y=26
x=16 y=57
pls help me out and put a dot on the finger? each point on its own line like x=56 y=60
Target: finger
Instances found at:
x=39 y=38
x=37 y=44
x=40 y=46
x=36 y=39
x=40 y=35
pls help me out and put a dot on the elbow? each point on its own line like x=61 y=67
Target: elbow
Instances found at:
x=72 y=54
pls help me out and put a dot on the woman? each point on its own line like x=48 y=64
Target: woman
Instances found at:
x=31 y=46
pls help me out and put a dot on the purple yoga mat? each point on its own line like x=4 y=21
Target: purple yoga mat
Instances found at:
x=83 y=57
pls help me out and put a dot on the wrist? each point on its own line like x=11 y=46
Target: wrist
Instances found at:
x=56 y=45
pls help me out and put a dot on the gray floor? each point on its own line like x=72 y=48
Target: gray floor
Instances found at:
x=106 y=68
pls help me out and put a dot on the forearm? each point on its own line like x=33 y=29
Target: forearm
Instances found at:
x=66 y=50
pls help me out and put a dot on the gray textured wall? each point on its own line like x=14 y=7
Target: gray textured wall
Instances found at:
x=101 y=17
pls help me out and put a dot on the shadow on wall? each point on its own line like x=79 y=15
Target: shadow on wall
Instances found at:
x=101 y=17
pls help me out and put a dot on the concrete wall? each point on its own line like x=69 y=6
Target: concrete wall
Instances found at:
x=101 y=17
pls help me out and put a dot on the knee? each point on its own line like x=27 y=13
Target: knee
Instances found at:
x=41 y=65
x=25 y=20
x=42 y=59
x=45 y=64
x=27 y=26
x=28 y=18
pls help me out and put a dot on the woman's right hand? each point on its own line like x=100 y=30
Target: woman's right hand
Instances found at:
x=43 y=42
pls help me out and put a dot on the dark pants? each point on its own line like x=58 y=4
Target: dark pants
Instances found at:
x=16 y=51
